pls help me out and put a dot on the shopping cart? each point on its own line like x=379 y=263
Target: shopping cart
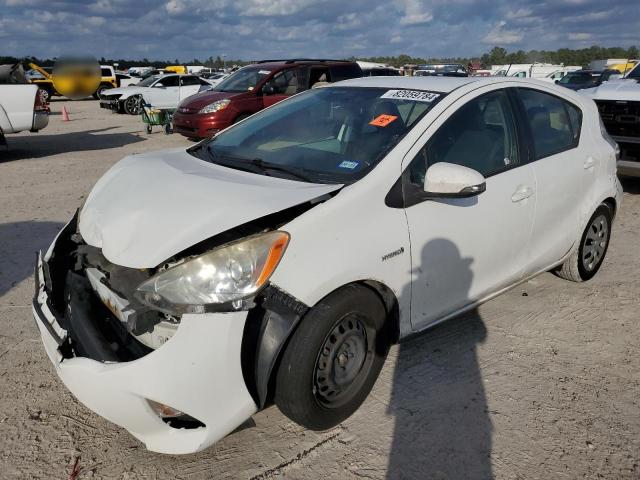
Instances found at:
x=153 y=116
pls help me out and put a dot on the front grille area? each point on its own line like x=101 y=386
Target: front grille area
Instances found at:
x=621 y=118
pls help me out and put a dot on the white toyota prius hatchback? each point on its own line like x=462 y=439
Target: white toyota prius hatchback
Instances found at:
x=279 y=260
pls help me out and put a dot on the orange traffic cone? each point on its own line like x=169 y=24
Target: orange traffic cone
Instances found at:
x=65 y=114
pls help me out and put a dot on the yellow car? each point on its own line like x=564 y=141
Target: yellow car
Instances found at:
x=176 y=69
x=624 y=68
x=107 y=80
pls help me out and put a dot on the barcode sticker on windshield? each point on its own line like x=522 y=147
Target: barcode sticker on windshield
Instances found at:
x=416 y=95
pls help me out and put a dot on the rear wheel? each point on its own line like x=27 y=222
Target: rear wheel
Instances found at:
x=333 y=359
x=133 y=105
x=587 y=259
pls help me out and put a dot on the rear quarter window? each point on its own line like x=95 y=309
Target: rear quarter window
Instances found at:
x=553 y=122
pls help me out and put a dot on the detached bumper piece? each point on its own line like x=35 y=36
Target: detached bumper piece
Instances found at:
x=179 y=398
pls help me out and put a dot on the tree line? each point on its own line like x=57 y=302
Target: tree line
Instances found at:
x=496 y=56
x=500 y=56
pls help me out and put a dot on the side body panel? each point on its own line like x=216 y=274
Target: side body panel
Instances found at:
x=16 y=107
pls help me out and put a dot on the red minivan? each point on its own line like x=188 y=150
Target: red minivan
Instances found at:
x=253 y=88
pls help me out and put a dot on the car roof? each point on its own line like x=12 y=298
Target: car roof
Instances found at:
x=433 y=84
x=273 y=64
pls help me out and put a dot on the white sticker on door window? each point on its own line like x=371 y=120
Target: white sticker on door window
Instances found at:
x=416 y=95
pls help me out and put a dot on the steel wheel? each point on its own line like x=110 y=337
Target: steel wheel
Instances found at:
x=333 y=358
x=343 y=358
x=595 y=241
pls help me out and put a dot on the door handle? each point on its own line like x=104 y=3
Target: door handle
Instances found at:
x=522 y=192
x=589 y=163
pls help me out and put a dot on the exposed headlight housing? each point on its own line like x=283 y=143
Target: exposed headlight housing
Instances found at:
x=226 y=274
x=216 y=106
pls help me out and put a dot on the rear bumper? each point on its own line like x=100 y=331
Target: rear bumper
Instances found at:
x=628 y=168
x=40 y=120
x=197 y=371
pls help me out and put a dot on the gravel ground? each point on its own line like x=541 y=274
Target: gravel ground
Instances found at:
x=542 y=382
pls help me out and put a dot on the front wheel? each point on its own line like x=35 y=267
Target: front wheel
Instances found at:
x=333 y=359
x=133 y=105
x=586 y=260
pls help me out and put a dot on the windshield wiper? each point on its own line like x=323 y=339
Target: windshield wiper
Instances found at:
x=264 y=166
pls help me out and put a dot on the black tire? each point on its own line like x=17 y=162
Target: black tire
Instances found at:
x=133 y=105
x=149 y=129
x=167 y=129
x=346 y=326
x=98 y=93
x=587 y=258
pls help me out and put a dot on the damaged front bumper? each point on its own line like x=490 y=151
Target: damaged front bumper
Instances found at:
x=110 y=104
x=197 y=371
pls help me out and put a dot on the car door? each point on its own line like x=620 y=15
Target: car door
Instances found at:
x=564 y=168
x=164 y=93
x=281 y=86
x=463 y=249
x=189 y=85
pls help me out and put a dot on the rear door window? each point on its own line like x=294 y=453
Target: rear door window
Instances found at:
x=169 y=81
x=189 y=80
x=549 y=121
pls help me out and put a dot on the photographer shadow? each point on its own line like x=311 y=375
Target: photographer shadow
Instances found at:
x=442 y=426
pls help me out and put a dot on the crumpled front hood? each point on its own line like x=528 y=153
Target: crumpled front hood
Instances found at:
x=147 y=208
x=615 y=90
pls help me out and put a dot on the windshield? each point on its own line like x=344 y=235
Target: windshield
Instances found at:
x=243 y=80
x=635 y=73
x=578 y=78
x=325 y=135
x=148 y=81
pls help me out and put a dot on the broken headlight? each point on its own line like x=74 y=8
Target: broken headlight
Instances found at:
x=226 y=274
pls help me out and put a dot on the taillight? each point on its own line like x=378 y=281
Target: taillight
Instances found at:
x=41 y=104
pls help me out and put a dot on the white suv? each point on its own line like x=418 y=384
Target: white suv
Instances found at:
x=278 y=261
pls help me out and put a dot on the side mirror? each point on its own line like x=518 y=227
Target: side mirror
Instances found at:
x=557 y=82
x=453 y=181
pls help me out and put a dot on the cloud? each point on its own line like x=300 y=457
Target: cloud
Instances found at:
x=254 y=29
x=415 y=13
x=580 y=36
x=499 y=35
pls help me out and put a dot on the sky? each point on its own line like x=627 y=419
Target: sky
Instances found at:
x=259 y=29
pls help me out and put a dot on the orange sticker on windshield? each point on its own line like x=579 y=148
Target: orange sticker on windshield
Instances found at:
x=383 y=120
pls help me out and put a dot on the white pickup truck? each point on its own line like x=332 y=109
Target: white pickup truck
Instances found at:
x=619 y=105
x=22 y=106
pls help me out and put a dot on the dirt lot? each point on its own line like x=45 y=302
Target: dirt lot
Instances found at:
x=542 y=382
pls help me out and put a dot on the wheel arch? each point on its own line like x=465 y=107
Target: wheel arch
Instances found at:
x=268 y=331
x=612 y=204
